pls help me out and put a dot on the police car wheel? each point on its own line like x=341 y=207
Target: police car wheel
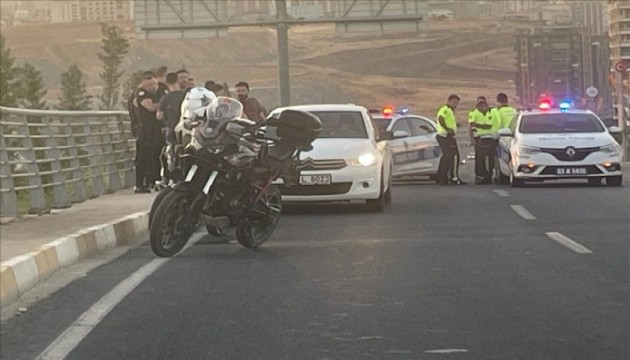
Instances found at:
x=614 y=180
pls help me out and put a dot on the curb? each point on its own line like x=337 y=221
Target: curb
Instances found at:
x=22 y=273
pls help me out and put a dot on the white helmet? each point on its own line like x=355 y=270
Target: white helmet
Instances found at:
x=197 y=100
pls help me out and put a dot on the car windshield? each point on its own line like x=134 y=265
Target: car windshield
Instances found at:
x=381 y=124
x=560 y=123
x=341 y=124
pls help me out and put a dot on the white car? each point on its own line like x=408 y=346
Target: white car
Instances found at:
x=559 y=144
x=349 y=161
x=415 y=148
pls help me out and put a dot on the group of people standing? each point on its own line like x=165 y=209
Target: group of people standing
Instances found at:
x=155 y=110
x=484 y=125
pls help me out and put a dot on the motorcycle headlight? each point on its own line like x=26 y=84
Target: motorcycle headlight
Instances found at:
x=609 y=149
x=528 y=150
x=364 y=160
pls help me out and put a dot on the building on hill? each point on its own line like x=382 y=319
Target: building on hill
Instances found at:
x=63 y=11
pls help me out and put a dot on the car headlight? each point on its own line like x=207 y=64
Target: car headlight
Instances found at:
x=364 y=160
x=612 y=148
x=528 y=150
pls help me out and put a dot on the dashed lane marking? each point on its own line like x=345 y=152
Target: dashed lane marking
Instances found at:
x=502 y=193
x=568 y=243
x=522 y=212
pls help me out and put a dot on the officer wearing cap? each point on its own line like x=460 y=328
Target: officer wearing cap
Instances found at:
x=448 y=169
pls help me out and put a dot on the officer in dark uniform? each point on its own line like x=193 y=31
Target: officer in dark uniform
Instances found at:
x=150 y=139
x=160 y=75
x=170 y=113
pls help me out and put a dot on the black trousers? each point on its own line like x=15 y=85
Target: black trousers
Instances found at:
x=148 y=164
x=448 y=168
x=485 y=158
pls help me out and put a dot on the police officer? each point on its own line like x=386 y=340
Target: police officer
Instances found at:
x=448 y=170
x=160 y=75
x=486 y=127
x=506 y=112
x=169 y=112
x=475 y=116
x=150 y=140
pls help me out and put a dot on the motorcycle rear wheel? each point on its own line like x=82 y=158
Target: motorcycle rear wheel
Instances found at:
x=173 y=224
x=259 y=222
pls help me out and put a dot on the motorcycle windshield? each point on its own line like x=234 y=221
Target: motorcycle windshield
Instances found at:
x=219 y=113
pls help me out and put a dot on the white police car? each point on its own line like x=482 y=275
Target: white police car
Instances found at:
x=350 y=159
x=414 y=147
x=551 y=144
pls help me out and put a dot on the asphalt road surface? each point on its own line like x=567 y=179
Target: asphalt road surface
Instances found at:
x=451 y=272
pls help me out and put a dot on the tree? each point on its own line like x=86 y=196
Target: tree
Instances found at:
x=31 y=87
x=8 y=74
x=73 y=89
x=113 y=50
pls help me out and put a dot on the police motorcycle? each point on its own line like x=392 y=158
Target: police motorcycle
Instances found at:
x=230 y=165
x=194 y=105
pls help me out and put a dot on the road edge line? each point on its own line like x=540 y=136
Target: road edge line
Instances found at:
x=21 y=273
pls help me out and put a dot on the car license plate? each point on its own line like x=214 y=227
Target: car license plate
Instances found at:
x=315 y=180
x=571 y=171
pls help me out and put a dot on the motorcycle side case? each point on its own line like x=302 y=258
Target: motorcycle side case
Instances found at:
x=299 y=128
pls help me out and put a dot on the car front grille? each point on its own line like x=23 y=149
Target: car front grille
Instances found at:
x=306 y=190
x=570 y=154
x=552 y=170
x=328 y=164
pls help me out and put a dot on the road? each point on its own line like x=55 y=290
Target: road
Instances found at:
x=468 y=272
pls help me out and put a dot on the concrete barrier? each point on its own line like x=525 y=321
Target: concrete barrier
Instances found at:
x=22 y=273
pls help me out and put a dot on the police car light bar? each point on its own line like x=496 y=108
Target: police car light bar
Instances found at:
x=544 y=105
x=388 y=110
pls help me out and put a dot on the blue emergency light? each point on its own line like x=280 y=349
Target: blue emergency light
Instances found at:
x=565 y=105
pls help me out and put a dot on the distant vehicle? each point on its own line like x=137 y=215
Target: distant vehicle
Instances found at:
x=551 y=144
x=350 y=159
x=414 y=147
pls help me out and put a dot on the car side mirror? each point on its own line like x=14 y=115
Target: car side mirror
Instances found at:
x=505 y=132
x=399 y=134
x=385 y=135
x=614 y=130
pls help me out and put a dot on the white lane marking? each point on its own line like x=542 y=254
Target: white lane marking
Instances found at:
x=522 y=212
x=502 y=193
x=80 y=328
x=446 y=351
x=568 y=243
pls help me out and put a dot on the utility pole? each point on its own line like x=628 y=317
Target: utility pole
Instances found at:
x=284 y=76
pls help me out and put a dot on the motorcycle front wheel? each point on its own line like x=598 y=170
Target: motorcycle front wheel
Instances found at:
x=157 y=201
x=173 y=224
x=261 y=220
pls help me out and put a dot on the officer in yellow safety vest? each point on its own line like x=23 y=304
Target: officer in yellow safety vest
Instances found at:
x=486 y=128
x=448 y=169
x=505 y=110
x=475 y=116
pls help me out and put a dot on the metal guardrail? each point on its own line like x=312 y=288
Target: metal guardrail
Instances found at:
x=51 y=159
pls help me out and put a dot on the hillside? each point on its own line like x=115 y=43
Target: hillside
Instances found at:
x=418 y=69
